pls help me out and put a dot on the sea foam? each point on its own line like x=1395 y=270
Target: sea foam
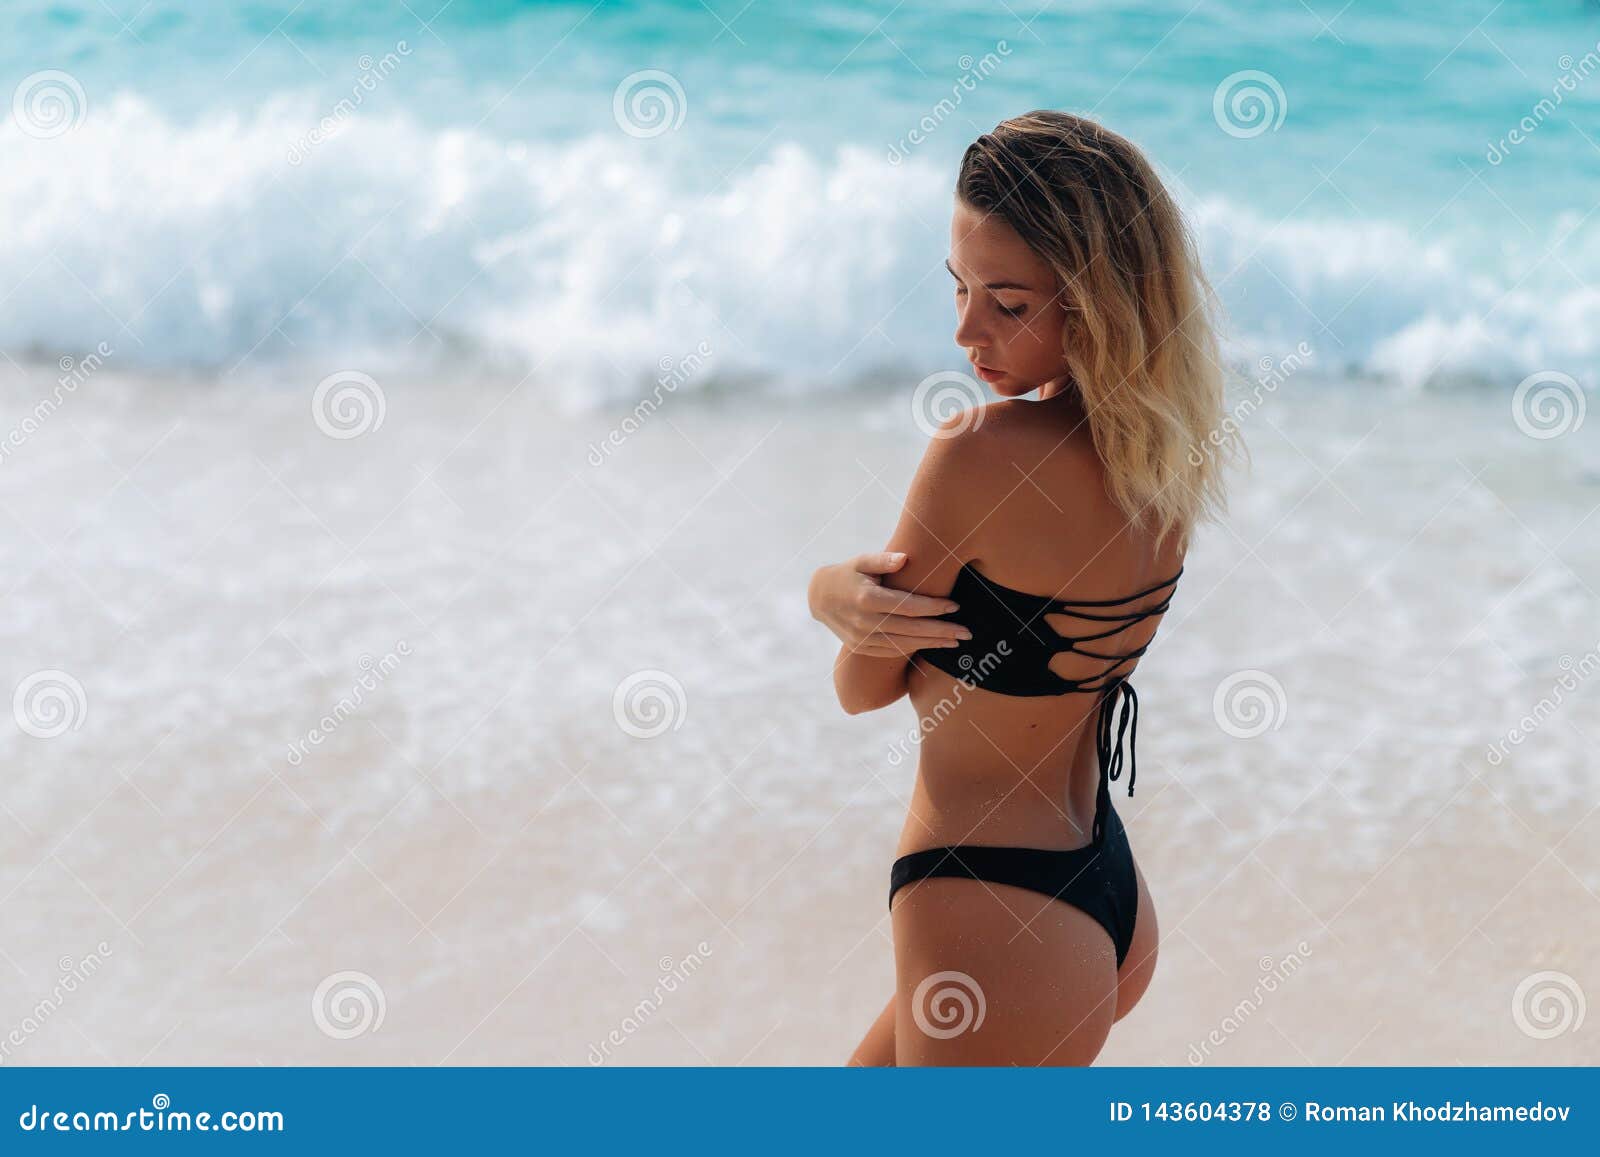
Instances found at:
x=224 y=244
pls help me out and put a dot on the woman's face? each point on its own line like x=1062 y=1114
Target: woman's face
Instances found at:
x=1009 y=316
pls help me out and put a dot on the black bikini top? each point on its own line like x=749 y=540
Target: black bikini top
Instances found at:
x=1012 y=645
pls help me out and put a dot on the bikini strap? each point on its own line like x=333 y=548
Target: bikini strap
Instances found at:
x=1067 y=604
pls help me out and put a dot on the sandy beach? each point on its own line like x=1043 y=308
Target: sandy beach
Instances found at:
x=443 y=743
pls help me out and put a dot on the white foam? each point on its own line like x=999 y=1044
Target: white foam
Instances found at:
x=602 y=262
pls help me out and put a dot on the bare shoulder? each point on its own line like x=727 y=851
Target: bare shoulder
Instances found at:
x=1027 y=490
x=1001 y=442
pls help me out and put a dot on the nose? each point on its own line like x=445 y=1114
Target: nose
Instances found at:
x=971 y=333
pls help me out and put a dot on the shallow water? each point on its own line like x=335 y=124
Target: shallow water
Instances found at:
x=496 y=843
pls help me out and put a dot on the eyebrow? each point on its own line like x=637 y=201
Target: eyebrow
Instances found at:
x=993 y=285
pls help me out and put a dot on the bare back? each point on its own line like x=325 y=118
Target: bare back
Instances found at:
x=1002 y=769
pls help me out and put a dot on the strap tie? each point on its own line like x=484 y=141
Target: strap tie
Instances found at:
x=1109 y=747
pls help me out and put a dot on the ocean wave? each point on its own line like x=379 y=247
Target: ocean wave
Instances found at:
x=231 y=244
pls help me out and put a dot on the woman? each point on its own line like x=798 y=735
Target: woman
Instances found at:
x=1042 y=541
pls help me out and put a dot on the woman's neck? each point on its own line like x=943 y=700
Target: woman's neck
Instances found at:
x=1062 y=389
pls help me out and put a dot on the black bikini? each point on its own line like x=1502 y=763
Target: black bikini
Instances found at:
x=1010 y=652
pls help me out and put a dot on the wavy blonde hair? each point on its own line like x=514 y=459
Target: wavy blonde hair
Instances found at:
x=1140 y=340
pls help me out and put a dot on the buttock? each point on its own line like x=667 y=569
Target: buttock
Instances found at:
x=1098 y=879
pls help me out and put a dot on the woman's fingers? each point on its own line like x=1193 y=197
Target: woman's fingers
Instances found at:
x=879 y=562
x=922 y=630
x=881 y=646
x=876 y=620
x=888 y=601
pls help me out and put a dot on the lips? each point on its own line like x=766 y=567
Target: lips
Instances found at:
x=987 y=374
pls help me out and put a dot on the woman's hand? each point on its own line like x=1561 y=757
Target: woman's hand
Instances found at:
x=869 y=618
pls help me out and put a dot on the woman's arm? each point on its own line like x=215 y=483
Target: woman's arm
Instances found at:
x=939 y=517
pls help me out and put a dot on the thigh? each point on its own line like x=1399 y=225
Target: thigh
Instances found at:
x=992 y=974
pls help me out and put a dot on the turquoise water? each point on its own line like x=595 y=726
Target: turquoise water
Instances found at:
x=481 y=195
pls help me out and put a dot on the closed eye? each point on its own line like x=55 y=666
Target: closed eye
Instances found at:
x=1015 y=312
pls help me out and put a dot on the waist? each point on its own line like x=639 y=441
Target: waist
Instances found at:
x=964 y=730
x=1032 y=772
x=992 y=801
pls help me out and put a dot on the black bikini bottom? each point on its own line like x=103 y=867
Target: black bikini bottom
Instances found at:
x=1097 y=878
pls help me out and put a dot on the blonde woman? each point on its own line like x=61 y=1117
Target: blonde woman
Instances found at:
x=1041 y=543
